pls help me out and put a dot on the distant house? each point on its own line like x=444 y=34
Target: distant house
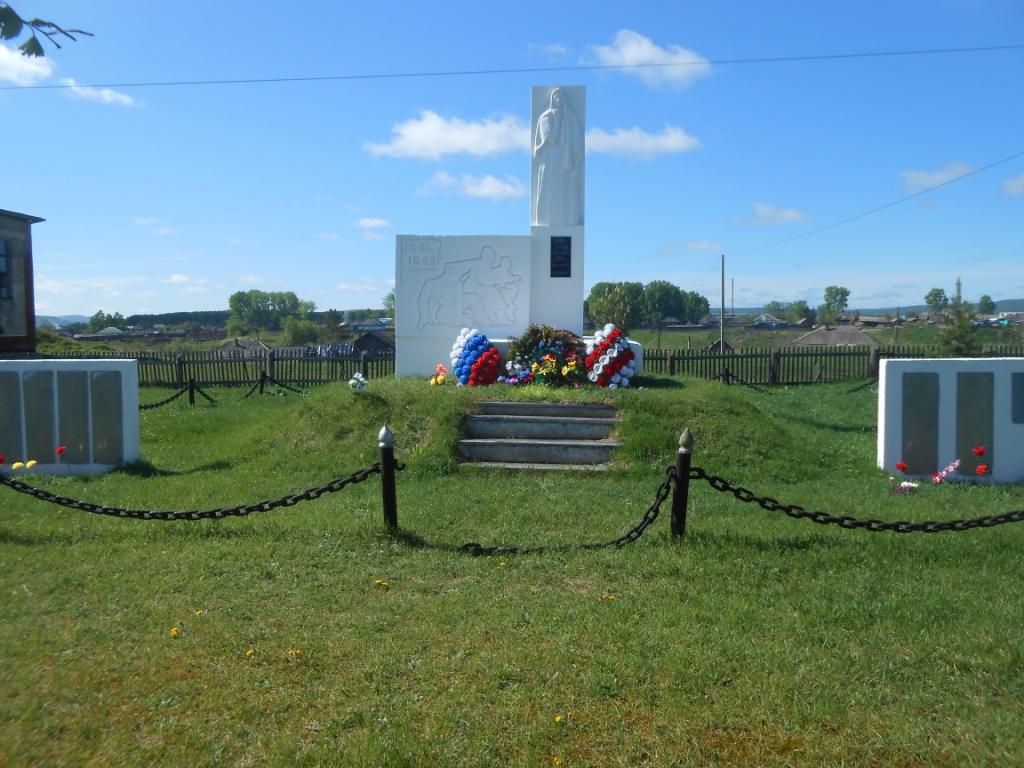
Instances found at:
x=873 y=321
x=768 y=321
x=826 y=336
x=374 y=342
x=110 y=332
x=717 y=347
x=17 y=302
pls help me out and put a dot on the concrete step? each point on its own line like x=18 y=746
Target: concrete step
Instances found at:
x=564 y=410
x=535 y=451
x=536 y=467
x=541 y=427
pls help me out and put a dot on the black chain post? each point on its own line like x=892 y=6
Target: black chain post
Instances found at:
x=386 y=443
x=192 y=393
x=263 y=381
x=364 y=367
x=684 y=456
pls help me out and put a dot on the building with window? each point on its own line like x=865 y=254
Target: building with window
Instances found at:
x=17 y=303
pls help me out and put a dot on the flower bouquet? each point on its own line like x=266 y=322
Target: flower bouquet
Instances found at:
x=474 y=359
x=609 y=359
x=545 y=355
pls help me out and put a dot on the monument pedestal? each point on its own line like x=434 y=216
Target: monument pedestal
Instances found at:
x=556 y=277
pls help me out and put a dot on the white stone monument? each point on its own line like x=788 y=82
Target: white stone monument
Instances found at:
x=932 y=412
x=502 y=284
x=90 y=408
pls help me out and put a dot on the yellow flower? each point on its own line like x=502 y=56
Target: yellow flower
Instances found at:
x=30 y=463
x=198 y=611
x=249 y=652
x=382 y=583
x=18 y=465
x=440 y=378
x=607 y=596
x=503 y=564
x=294 y=653
x=559 y=718
x=556 y=760
x=175 y=632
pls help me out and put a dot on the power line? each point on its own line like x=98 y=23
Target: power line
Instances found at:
x=890 y=204
x=523 y=70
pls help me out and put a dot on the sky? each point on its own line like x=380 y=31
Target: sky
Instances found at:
x=172 y=197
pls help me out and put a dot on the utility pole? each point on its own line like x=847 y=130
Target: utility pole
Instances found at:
x=958 y=290
x=721 y=316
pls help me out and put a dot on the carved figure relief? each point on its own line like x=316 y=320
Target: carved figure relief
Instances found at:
x=480 y=291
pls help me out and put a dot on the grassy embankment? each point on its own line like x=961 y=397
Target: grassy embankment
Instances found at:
x=757 y=640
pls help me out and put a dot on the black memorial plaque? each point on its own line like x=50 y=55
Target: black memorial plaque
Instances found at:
x=561 y=257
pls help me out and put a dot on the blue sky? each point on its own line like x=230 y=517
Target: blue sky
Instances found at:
x=172 y=198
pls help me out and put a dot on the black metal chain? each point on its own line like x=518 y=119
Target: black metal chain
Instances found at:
x=634 y=533
x=165 y=401
x=214 y=514
x=290 y=388
x=205 y=396
x=252 y=389
x=865 y=385
x=848 y=521
x=729 y=377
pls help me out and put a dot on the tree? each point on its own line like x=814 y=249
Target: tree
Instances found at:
x=695 y=307
x=299 y=331
x=958 y=337
x=331 y=331
x=102 y=320
x=986 y=306
x=265 y=311
x=662 y=299
x=835 y=302
x=936 y=300
x=389 y=303
x=12 y=26
x=610 y=303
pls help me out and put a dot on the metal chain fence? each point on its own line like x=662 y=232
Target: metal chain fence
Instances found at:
x=634 y=533
x=850 y=522
x=210 y=514
x=165 y=401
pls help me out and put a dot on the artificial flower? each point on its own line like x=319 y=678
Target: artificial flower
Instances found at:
x=981 y=469
x=901 y=466
x=978 y=450
x=60 y=449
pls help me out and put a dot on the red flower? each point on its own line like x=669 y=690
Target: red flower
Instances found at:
x=978 y=450
x=2 y=459
x=61 y=449
x=901 y=466
x=981 y=469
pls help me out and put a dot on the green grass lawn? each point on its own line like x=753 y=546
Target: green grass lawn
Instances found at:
x=308 y=636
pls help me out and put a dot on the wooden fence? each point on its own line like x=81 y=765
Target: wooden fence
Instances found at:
x=759 y=365
x=296 y=367
x=795 y=365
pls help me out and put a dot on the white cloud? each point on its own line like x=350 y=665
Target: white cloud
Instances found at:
x=328 y=236
x=550 y=50
x=370 y=226
x=674 y=66
x=704 y=246
x=250 y=280
x=432 y=137
x=179 y=279
x=188 y=284
x=363 y=286
x=488 y=187
x=636 y=141
x=101 y=95
x=1014 y=186
x=23 y=70
x=915 y=181
x=108 y=286
x=769 y=214
x=165 y=231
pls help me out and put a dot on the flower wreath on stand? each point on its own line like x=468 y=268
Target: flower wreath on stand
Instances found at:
x=545 y=355
x=474 y=359
x=609 y=359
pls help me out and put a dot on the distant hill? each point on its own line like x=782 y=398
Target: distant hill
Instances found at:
x=55 y=321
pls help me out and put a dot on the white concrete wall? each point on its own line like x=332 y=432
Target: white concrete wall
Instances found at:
x=556 y=301
x=1007 y=450
x=80 y=459
x=444 y=284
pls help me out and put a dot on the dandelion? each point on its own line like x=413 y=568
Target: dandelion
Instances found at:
x=607 y=596
x=250 y=652
x=175 y=632
x=503 y=563
x=559 y=717
x=294 y=653
x=556 y=760
x=198 y=611
x=382 y=583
